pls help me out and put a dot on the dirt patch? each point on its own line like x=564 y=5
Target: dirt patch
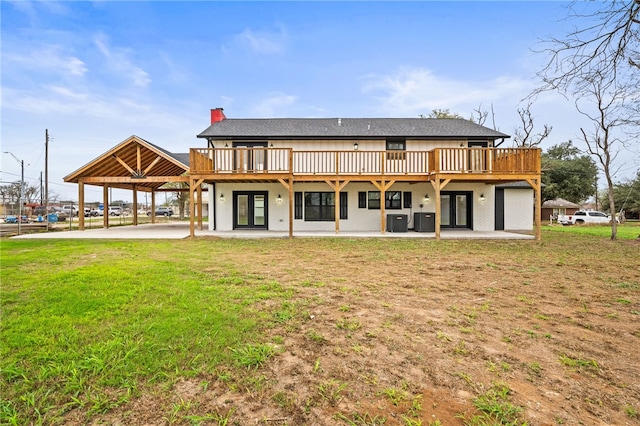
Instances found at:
x=417 y=332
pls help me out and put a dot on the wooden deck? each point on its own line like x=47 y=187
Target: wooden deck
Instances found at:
x=439 y=167
x=268 y=164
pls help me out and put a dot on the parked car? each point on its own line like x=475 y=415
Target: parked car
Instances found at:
x=70 y=210
x=164 y=211
x=14 y=219
x=584 y=216
x=115 y=210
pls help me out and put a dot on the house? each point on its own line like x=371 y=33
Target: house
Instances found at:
x=335 y=174
x=558 y=206
x=363 y=174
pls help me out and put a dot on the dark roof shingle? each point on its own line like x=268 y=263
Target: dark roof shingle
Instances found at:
x=346 y=128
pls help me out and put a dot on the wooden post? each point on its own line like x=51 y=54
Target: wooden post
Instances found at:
x=153 y=206
x=192 y=231
x=105 y=206
x=199 y=192
x=291 y=200
x=336 y=191
x=80 y=206
x=135 y=203
x=436 y=187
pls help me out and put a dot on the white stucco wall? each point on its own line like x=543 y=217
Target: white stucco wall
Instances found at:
x=359 y=219
x=518 y=209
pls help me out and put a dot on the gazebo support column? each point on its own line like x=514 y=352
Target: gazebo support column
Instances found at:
x=80 y=206
x=135 y=205
x=105 y=206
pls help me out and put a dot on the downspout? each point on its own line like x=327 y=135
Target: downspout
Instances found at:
x=498 y=144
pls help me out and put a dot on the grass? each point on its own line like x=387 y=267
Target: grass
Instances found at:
x=88 y=326
x=625 y=231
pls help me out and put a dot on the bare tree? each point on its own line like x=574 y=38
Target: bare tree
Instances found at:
x=599 y=63
x=609 y=114
x=606 y=41
x=525 y=137
x=481 y=117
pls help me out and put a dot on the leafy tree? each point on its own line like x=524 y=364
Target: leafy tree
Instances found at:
x=443 y=113
x=567 y=174
x=627 y=197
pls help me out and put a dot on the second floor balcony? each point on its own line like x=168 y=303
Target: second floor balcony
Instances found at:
x=477 y=162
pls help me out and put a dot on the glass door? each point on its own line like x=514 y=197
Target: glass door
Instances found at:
x=456 y=211
x=250 y=158
x=250 y=210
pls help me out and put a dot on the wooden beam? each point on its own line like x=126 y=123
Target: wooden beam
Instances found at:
x=150 y=166
x=129 y=179
x=125 y=165
x=138 y=159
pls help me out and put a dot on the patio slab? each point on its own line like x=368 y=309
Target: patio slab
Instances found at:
x=176 y=231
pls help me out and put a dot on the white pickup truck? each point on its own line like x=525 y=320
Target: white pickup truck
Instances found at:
x=584 y=216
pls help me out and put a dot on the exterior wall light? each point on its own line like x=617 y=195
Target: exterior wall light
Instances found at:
x=482 y=197
x=222 y=197
x=426 y=198
x=355 y=146
x=279 y=199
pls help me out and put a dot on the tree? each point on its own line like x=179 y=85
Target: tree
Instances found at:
x=567 y=174
x=608 y=113
x=598 y=62
x=627 y=197
x=605 y=41
x=525 y=137
x=443 y=113
x=10 y=193
x=180 y=196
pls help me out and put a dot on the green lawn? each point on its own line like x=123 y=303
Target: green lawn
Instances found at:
x=85 y=323
x=88 y=326
x=626 y=231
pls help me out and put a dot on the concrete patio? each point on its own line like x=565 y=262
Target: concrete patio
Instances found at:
x=180 y=230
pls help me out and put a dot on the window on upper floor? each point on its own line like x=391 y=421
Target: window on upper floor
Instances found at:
x=396 y=149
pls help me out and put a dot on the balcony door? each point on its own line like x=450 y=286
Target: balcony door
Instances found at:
x=250 y=210
x=250 y=160
x=456 y=210
x=477 y=157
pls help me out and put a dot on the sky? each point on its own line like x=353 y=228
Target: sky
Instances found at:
x=95 y=73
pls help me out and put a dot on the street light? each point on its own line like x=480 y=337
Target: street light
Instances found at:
x=21 y=189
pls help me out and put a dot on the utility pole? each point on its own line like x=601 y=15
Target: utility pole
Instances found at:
x=46 y=175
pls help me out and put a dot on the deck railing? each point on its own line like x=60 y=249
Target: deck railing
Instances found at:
x=439 y=160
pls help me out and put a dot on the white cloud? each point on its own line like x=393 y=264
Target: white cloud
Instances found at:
x=262 y=42
x=273 y=105
x=46 y=59
x=414 y=91
x=118 y=60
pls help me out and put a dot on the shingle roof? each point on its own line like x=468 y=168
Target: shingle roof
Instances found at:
x=349 y=128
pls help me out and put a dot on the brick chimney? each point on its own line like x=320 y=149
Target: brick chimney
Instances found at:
x=217 y=115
